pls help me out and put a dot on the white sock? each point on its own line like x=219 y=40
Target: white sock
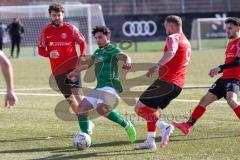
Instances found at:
x=161 y=124
x=151 y=135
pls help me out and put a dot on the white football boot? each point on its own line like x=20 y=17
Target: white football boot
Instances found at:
x=165 y=135
x=149 y=143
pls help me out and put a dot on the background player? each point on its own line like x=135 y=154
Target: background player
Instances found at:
x=172 y=69
x=226 y=86
x=57 y=42
x=104 y=98
x=10 y=98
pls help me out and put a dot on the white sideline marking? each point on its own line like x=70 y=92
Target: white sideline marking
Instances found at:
x=28 y=89
x=35 y=94
x=60 y=95
x=48 y=88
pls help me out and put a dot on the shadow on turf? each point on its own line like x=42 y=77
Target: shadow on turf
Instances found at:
x=34 y=139
x=201 y=138
x=94 y=155
x=59 y=151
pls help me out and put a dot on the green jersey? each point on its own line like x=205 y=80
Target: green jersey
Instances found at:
x=106 y=67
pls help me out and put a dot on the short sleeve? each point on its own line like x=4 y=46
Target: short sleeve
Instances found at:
x=116 y=51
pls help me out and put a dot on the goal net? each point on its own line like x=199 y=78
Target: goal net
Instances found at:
x=208 y=33
x=34 y=17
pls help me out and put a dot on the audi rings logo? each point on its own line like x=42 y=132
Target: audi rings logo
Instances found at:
x=139 y=28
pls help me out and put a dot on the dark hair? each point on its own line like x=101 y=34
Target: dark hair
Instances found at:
x=174 y=19
x=105 y=30
x=57 y=7
x=234 y=20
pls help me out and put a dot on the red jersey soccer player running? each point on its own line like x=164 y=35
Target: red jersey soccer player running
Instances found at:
x=226 y=86
x=57 y=42
x=172 y=69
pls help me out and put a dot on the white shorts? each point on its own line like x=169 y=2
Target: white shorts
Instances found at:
x=105 y=95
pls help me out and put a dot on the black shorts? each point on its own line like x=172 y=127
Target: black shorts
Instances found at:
x=65 y=85
x=160 y=94
x=222 y=86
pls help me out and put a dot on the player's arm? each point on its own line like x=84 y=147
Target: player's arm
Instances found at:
x=232 y=64
x=172 y=45
x=7 y=71
x=220 y=68
x=42 y=45
x=127 y=62
x=80 y=40
x=85 y=64
x=82 y=65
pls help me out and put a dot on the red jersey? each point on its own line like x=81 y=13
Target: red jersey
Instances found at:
x=62 y=40
x=232 y=51
x=175 y=69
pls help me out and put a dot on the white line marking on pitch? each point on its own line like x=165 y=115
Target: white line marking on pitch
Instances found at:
x=28 y=89
x=59 y=95
x=48 y=88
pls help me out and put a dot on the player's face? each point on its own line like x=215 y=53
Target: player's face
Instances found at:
x=57 y=18
x=169 y=27
x=231 y=30
x=102 y=39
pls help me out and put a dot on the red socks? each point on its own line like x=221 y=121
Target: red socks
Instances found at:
x=151 y=116
x=237 y=111
x=197 y=113
x=200 y=110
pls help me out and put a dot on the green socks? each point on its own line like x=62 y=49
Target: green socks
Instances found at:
x=117 y=118
x=83 y=123
x=113 y=116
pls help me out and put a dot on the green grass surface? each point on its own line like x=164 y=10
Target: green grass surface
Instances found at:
x=31 y=130
x=140 y=47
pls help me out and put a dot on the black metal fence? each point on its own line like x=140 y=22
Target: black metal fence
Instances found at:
x=126 y=7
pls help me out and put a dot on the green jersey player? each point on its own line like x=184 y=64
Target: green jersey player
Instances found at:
x=104 y=98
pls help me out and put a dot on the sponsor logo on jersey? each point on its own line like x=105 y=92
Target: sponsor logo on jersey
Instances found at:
x=59 y=43
x=64 y=35
x=229 y=55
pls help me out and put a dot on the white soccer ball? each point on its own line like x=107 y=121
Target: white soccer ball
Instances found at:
x=81 y=140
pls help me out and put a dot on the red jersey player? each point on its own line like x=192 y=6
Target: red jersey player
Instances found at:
x=172 y=69
x=57 y=42
x=226 y=86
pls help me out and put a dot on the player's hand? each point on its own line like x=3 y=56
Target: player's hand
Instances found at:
x=54 y=54
x=10 y=99
x=213 y=72
x=151 y=71
x=127 y=66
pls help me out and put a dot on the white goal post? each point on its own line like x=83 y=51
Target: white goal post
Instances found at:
x=208 y=33
x=34 y=17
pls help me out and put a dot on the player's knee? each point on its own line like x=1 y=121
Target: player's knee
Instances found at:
x=137 y=107
x=70 y=98
x=103 y=109
x=76 y=91
x=232 y=102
